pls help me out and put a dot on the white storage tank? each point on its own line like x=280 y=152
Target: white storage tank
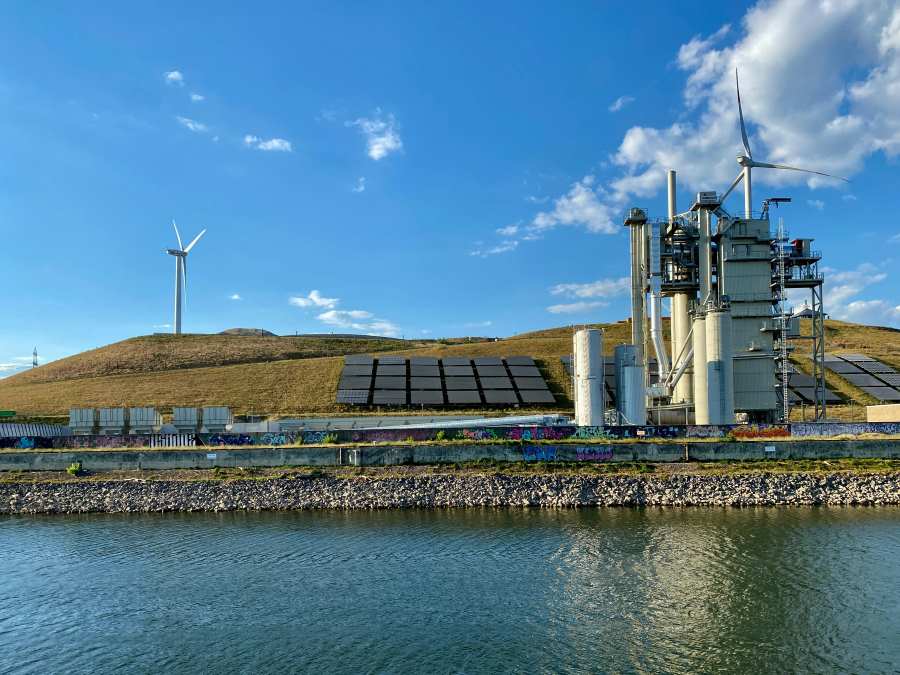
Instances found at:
x=719 y=366
x=82 y=420
x=216 y=418
x=587 y=366
x=631 y=398
x=701 y=390
x=144 y=420
x=112 y=421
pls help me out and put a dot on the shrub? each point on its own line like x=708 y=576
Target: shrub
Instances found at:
x=440 y=435
x=75 y=469
x=330 y=438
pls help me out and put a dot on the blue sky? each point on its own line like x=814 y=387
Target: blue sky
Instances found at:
x=416 y=169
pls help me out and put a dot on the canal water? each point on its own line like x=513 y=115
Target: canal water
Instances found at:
x=779 y=590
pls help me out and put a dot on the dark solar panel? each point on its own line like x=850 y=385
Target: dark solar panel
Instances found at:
x=463 y=397
x=424 y=371
x=461 y=383
x=537 y=397
x=876 y=367
x=456 y=361
x=831 y=357
x=424 y=383
x=524 y=371
x=392 y=360
x=357 y=371
x=491 y=371
x=358 y=360
x=832 y=397
x=353 y=396
x=423 y=361
x=842 y=367
x=519 y=361
x=355 y=382
x=856 y=357
x=459 y=371
x=389 y=398
x=496 y=383
x=892 y=379
x=882 y=393
x=390 y=370
x=801 y=380
x=863 y=380
x=530 y=383
x=493 y=396
x=488 y=361
x=794 y=397
x=390 y=383
x=808 y=395
x=426 y=398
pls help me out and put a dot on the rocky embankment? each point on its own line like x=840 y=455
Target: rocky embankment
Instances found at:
x=447 y=490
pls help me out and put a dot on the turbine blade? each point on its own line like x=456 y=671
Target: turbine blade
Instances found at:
x=184 y=279
x=177 y=236
x=766 y=165
x=196 y=239
x=744 y=138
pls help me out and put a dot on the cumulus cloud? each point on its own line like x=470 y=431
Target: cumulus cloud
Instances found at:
x=508 y=231
x=196 y=98
x=581 y=205
x=174 y=77
x=235 y=296
x=478 y=324
x=843 y=288
x=359 y=320
x=620 y=103
x=193 y=125
x=502 y=247
x=270 y=145
x=602 y=288
x=382 y=137
x=360 y=184
x=313 y=299
x=576 y=307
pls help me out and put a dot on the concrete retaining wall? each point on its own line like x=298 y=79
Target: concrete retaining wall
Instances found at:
x=113 y=460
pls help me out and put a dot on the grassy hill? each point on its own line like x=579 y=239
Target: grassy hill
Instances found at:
x=299 y=375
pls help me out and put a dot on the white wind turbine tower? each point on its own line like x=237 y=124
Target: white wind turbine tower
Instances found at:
x=748 y=163
x=180 y=254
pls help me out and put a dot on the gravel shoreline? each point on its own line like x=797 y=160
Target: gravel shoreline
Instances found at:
x=446 y=490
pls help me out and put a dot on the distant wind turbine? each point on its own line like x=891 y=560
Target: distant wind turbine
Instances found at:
x=747 y=162
x=180 y=254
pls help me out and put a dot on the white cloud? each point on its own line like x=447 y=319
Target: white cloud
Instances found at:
x=581 y=205
x=174 y=77
x=235 y=296
x=270 y=145
x=193 y=125
x=620 y=103
x=508 y=231
x=848 y=198
x=478 y=324
x=576 y=307
x=381 y=135
x=817 y=204
x=359 y=320
x=196 y=98
x=360 y=184
x=502 y=247
x=843 y=288
x=602 y=288
x=426 y=331
x=314 y=299
x=162 y=325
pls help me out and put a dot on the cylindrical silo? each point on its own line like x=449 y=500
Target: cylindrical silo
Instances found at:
x=681 y=326
x=589 y=372
x=719 y=366
x=701 y=390
x=631 y=399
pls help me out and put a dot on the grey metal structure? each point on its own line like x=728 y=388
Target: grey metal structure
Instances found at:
x=180 y=254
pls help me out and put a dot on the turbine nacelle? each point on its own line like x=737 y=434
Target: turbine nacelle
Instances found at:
x=180 y=254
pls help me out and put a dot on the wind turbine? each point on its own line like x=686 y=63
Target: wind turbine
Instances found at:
x=180 y=254
x=747 y=162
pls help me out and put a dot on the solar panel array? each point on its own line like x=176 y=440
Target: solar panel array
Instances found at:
x=877 y=379
x=452 y=381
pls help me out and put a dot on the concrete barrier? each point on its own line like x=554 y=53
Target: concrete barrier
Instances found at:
x=387 y=455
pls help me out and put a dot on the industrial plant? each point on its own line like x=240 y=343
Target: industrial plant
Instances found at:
x=731 y=332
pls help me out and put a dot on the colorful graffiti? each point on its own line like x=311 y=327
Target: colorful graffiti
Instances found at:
x=748 y=431
x=539 y=453
x=228 y=439
x=588 y=454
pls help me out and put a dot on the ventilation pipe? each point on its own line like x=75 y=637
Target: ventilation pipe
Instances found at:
x=680 y=320
x=589 y=377
x=656 y=334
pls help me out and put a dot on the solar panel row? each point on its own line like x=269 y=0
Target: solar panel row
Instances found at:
x=877 y=379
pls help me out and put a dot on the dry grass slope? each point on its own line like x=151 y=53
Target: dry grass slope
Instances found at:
x=297 y=375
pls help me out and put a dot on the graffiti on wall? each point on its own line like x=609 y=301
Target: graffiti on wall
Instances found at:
x=745 y=431
x=589 y=454
x=539 y=453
